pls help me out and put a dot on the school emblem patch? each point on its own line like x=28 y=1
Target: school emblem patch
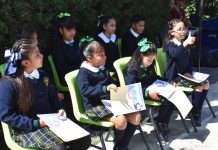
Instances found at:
x=46 y=80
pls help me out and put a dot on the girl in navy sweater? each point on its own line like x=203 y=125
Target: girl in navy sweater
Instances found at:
x=107 y=37
x=179 y=61
x=95 y=84
x=26 y=92
x=141 y=69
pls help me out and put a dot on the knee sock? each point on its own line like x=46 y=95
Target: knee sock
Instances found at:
x=204 y=95
x=130 y=130
x=165 y=112
x=118 y=136
x=196 y=100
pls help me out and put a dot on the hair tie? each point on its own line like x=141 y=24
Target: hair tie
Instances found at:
x=11 y=58
x=99 y=20
x=84 y=40
x=61 y=15
x=144 y=44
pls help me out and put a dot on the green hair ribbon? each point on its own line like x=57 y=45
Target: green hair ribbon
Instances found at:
x=144 y=44
x=61 y=15
x=85 y=39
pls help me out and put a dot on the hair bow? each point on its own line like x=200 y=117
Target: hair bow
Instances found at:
x=84 y=40
x=145 y=45
x=11 y=58
x=61 y=15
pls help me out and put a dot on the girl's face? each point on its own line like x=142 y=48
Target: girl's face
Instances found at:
x=68 y=34
x=98 y=58
x=110 y=27
x=146 y=61
x=139 y=27
x=179 y=31
x=35 y=60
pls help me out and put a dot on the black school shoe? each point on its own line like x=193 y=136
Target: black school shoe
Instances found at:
x=164 y=130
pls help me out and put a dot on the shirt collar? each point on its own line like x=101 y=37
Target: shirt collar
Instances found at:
x=86 y=65
x=32 y=75
x=106 y=39
x=176 y=42
x=134 y=33
x=68 y=42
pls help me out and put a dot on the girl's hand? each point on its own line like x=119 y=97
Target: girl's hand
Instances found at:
x=42 y=124
x=60 y=96
x=188 y=75
x=153 y=95
x=189 y=41
x=112 y=87
x=62 y=112
x=173 y=83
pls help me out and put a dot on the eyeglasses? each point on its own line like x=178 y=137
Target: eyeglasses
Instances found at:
x=181 y=30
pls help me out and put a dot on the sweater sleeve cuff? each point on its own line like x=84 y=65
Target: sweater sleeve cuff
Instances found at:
x=146 y=93
x=104 y=88
x=36 y=124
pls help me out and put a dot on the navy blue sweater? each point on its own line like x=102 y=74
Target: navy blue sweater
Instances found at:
x=45 y=101
x=92 y=87
x=144 y=76
x=66 y=58
x=129 y=43
x=178 y=60
x=111 y=51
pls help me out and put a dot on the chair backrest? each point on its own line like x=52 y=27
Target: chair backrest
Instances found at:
x=119 y=45
x=2 y=66
x=161 y=62
x=119 y=66
x=55 y=75
x=77 y=101
x=9 y=140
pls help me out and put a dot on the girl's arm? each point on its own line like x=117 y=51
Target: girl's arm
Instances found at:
x=86 y=88
x=8 y=110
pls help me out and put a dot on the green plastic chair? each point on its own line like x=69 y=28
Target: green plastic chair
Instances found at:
x=119 y=45
x=2 y=66
x=161 y=66
x=9 y=140
x=78 y=109
x=60 y=87
x=119 y=66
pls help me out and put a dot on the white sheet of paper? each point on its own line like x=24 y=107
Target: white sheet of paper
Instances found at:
x=63 y=127
x=174 y=95
x=126 y=99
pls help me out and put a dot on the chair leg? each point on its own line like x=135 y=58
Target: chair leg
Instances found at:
x=183 y=122
x=211 y=109
x=157 y=133
x=143 y=137
x=192 y=121
x=108 y=135
x=102 y=140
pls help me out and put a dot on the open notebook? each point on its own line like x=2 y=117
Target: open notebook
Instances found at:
x=173 y=94
x=197 y=77
x=126 y=99
x=63 y=127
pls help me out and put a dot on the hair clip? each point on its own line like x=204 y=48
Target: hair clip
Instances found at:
x=61 y=15
x=85 y=39
x=145 y=45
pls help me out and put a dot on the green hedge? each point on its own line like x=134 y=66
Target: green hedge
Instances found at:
x=15 y=13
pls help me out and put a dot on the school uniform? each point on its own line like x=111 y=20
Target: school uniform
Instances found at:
x=146 y=78
x=110 y=47
x=129 y=42
x=179 y=61
x=67 y=57
x=25 y=130
x=93 y=84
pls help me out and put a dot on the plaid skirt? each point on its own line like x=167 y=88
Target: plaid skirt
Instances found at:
x=42 y=138
x=98 y=113
x=189 y=84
